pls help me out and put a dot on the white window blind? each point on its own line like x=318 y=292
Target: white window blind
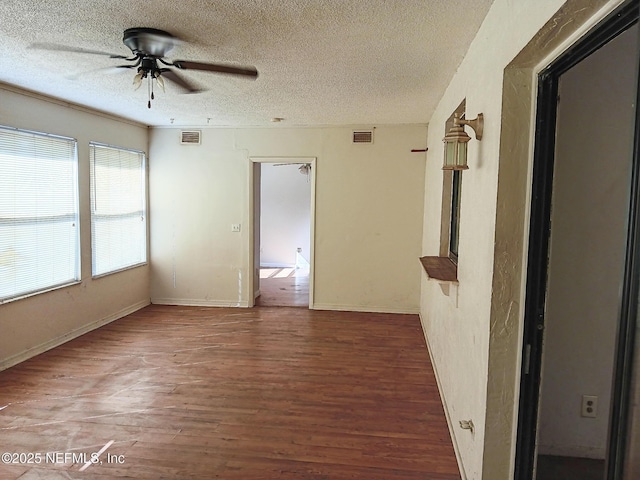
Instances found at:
x=118 y=208
x=39 y=230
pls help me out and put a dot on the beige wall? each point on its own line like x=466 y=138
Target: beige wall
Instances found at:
x=474 y=332
x=40 y=322
x=368 y=218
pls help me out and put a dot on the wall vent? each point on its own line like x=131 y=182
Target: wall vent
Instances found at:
x=190 y=137
x=363 y=136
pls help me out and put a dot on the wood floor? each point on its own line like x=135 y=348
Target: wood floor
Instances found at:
x=283 y=287
x=263 y=393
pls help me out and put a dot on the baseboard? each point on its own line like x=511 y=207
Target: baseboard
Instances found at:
x=364 y=308
x=43 y=347
x=196 y=302
x=579 y=451
x=456 y=449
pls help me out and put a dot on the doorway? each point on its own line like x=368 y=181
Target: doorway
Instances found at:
x=578 y=347
x=586 y=259
x=282 y=214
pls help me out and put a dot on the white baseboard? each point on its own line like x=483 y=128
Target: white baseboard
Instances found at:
x=364 y=308
x=55 y=342
x=456 y=449
x=197 y=302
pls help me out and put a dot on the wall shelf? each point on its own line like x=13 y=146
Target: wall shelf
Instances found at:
x=441 y=269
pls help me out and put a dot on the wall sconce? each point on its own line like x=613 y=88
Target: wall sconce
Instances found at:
x=455 y=142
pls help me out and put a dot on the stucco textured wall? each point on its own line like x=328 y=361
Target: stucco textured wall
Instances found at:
x=474 y=332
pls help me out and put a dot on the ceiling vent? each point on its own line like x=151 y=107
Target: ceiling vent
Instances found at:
x=363 y=136
x=190 y=137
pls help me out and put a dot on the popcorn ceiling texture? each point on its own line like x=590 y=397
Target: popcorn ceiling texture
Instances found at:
x=321 y=62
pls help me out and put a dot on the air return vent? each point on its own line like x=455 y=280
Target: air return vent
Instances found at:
x=363 y=136
x=190 y=137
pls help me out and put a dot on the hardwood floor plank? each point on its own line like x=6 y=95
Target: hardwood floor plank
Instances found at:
x=288 y=291
x=194 y=392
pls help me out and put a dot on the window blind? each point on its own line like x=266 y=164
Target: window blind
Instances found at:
x=39 y=229
x=118 y=208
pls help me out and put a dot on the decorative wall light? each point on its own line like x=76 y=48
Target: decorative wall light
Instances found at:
x=455 y=142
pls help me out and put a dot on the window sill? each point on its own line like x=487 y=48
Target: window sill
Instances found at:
x=38 y=292
x=441 y=269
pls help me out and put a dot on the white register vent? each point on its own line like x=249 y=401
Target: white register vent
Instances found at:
x=363 y=136
x=190 y=137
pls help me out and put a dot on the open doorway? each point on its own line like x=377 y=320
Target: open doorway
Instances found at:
x=580 y=311
x=589 y=212
x=283 y=212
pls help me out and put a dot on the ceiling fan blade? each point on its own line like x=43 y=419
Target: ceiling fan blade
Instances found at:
x=216 y=67
x=178 y=80
x=65 y=48
x=106 y=70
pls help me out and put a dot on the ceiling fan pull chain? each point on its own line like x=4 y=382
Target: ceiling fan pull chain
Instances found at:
x=149 y=90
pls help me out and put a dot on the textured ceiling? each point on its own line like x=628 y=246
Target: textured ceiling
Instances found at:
x=321 y=62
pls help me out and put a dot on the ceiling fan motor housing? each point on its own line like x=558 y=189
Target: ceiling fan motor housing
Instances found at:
x=148 y=41
x=148 y=65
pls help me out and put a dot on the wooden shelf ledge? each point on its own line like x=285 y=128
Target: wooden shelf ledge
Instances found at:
x=441 y=269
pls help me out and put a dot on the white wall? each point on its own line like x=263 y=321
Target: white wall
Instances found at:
x=37 y=323
x=474 y=333
x=285 y=215
x=368 y=218
x=589 y=210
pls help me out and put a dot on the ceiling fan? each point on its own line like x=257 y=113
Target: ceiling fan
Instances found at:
x=304 y=169
x=149 y=47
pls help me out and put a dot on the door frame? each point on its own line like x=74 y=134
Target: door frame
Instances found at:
x=612 y=25
x=252 y=220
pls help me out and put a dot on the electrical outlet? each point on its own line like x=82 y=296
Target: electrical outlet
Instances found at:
x=235 y=227
x=589 y=406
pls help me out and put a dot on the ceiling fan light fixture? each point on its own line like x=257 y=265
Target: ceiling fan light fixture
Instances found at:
x=159 y=80
x=137 y=80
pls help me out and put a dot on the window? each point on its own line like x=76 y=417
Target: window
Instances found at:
x=118 y=209
x=39 y=229
x=454 y=225
x=444 y=267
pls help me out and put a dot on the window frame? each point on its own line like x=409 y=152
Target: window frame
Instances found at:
x=75 y=264
x=143 y=211
x=454 y=218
